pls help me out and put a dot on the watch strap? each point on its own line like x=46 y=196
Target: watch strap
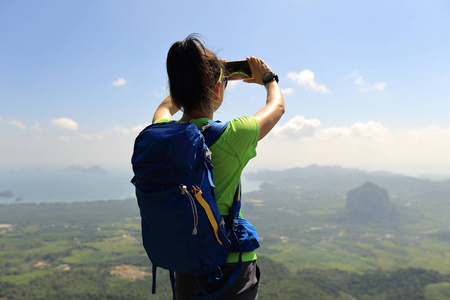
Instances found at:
x=269 y=76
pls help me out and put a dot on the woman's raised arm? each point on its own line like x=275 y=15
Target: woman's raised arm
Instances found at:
x=165 y=110
x=271 y=113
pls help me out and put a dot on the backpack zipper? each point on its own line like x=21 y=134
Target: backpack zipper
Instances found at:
x=184 y=190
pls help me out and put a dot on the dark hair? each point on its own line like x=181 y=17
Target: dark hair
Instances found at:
x=193 y=72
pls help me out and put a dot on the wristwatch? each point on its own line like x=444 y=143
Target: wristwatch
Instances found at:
x=269 y=76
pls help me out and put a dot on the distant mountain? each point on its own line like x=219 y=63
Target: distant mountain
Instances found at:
x=92 y=170
x=7 y=194
x=95 y=170
x=315 y=170
x=309 y=171
x=369 y=202
x=435 y=177
x=74 y=169
x=337 y=179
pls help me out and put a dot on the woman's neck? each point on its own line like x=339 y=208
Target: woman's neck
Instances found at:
x=196 y=115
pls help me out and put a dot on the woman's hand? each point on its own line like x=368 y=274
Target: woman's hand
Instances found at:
x=259 y=68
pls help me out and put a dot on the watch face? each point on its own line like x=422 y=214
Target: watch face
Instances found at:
x=268 y=77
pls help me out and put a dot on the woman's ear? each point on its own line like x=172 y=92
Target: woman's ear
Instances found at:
x=218 y=90
x=218 y=99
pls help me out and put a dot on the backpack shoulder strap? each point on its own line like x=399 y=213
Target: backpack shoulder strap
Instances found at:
x=212 y=131
x=235 y=208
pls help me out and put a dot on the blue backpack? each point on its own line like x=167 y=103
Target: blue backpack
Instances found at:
x=182 y=229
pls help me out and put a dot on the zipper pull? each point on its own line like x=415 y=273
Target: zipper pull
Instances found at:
x=183 y=189
x=194 y=231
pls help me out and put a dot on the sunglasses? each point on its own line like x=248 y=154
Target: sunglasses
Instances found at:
x=225 y=81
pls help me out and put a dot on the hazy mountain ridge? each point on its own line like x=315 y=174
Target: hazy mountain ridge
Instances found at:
x=7 y=194
x=338 y=179
x=92 y=170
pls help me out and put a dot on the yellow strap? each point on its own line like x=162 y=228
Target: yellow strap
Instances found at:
x=204 y=204
x=239 y=195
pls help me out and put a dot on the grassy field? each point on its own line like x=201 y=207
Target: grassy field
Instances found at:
x=44 y=240
x=311 y=234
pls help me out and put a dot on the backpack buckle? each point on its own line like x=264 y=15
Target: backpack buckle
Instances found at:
x=222 y=223
x=205 y=127
x=208 y=154
x=235 y=225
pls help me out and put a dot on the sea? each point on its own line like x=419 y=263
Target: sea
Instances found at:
x=37 y=185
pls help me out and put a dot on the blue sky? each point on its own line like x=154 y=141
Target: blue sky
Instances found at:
x=365 y=83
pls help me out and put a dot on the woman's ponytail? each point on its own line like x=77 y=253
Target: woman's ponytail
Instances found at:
x=193 y=72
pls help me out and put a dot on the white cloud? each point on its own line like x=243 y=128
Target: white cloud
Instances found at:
x=37 y=127
x=113 y=145
x=64 y=139
x=379 y=86
x=17 y=124
x=365 y=87
x=97 y=136
x=367 y=145
x=306 y=79
x=122 y=131
x=100 y=136
x=119 y=82
x=287 y=91
x=358 y=130
x=65 y=123
x=297 y=127
x=86 y=137
x=115 y=131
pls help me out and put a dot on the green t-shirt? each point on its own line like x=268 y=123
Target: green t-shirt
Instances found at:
x=230 y=154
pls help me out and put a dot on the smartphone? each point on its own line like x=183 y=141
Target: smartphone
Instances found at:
x=238 y=70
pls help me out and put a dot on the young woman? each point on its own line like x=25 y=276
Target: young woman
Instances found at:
x=197 y=82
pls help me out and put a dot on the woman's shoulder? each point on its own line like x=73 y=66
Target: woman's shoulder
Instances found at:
x=245 y=123
x=243 y=130
x=161 y=120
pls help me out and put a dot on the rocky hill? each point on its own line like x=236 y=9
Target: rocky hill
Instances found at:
x=370 y=203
